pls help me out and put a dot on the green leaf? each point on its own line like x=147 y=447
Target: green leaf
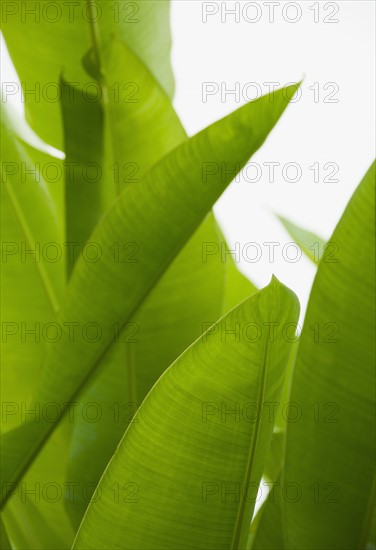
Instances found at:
x=195 y=450
x=23 y=183
x=62 y=33
x=28 y=308
x=155 y=219
x=145 y=349
x=142 y=122
x=85 y=194
x=23 y=230
x=330 y=450
x=145 y=27
x=156 y=346
x=312 y=245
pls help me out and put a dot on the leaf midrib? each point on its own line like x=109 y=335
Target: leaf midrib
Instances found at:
x=251 y=458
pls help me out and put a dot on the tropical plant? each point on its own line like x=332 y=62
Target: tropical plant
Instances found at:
x=150 y=392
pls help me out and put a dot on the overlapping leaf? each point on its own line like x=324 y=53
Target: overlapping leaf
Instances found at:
x=32 y=251
x=186 y=467
x=62 y=33
x=330 y=450
x=173 y=208
x=26 y=234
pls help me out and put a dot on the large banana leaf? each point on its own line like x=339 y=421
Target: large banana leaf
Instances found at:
x=195 y=453
x=181 y=317
x=158 y=215
x=168 y=322
x=25 y=229
x=62 y=33
x=27 y=307
x=331 y=449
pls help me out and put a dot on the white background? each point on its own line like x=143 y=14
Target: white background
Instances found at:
x=281 y=51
